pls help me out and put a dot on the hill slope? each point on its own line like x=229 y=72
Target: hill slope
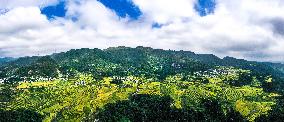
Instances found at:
x=124 y=61
x=6 y=60
x=140 y=84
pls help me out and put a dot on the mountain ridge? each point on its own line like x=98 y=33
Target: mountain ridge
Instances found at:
x=94 y=84
x=140 y=59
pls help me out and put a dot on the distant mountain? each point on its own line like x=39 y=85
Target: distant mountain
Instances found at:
x=6 y=60
x=276 y=66
x=86 y=84
x=122 y=61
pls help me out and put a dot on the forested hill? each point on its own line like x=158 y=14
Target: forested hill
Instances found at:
x=6 y=60
x=124 y=61
x=139 y=84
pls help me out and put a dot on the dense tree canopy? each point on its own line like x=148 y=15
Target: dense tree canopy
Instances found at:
x=139 y=84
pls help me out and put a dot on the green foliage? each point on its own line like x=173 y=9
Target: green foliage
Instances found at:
x=6 y=92
x=85 y=98
x=6 y=60
x=20 y=116
x=158 y=108
x=277 y=113
x=252 y=110
x=138 y=108
x=139 y=84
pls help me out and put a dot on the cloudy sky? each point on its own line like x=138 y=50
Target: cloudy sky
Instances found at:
x=249 y=29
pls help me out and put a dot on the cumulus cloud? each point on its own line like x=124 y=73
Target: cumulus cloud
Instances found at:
x=10 y=4
x=166 y=11
x=250 y=29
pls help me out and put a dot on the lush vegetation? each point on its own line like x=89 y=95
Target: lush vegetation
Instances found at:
x=139 y=84
x=5 y=60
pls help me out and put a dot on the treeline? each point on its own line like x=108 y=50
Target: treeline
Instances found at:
x=124 y=61
x=211 y=95
x=139 y=84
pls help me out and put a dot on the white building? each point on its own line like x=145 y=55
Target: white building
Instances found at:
x=1 y=81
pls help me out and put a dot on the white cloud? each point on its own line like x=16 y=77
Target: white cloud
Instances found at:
x=166 y=11
x=22 y=18
x=10 y=4
x=250 y=29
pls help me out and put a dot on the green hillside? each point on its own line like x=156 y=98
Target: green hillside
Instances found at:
x=139 y=84
x=6 y=60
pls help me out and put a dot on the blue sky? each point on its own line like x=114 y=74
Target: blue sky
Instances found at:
x=57 y=10
x=204 y=7
x=123 y=8
x=249 y=29
x=126 y=8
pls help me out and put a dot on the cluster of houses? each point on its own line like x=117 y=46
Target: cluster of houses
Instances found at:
x=2 y=81
x=29 y=79
x=217 y=72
